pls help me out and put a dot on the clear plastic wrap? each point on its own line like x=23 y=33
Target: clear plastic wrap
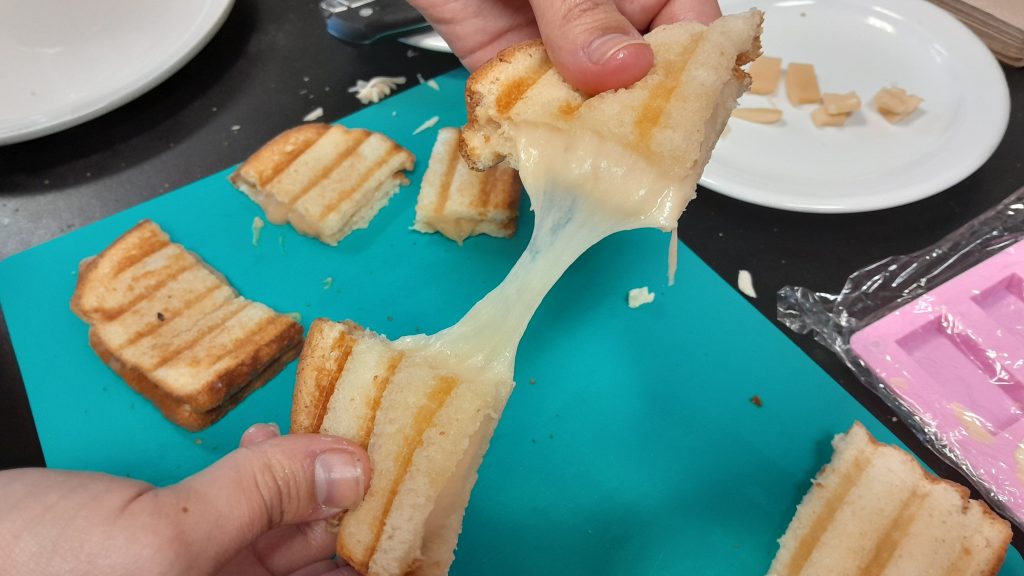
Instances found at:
x=939 y=334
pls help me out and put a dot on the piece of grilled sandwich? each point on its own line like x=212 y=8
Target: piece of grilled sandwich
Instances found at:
x=176 y=331
x=670 y=119
x=426 y=432
x=326 y=180
x=458 y=201
x=874 y=511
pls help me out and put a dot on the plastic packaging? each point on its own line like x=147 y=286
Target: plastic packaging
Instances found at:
x=939 y=334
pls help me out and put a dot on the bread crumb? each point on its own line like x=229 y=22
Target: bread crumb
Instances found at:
x=745 y=283
x=411 y=53
x=257 y=229
x=295 y=316
x=375 y=89
x=533 y=380
x=199 y=441
x=328 y=282
x=426 y=125
x=160 y=316
x=235 y=128
x=756 y=401
x=432 y=83
x=314 y=114
x=639 y=296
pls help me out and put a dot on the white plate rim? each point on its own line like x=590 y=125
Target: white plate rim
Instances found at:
x=214 y=14
x=969 y=161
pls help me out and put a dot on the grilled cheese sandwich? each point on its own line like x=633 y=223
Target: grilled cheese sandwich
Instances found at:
x=325 y=180
x=176 y=331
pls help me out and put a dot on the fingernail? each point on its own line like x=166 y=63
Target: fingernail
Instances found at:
x=611 y=47
x=339 y=480
x=259 y=432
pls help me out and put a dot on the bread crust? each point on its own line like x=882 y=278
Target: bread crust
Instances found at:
x=318 y=372
x=182 y=413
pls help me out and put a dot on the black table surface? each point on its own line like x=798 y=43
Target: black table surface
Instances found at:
x=273 y=62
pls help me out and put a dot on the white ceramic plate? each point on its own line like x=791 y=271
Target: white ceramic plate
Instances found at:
x=865 y=45
x=64 y=62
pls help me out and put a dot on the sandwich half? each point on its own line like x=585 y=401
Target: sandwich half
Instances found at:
x=873 y=511
x=325 y=180
x=176 y=331
x=458 y=201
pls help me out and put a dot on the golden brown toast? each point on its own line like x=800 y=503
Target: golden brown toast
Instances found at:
x=873 y=510
x=325 y=180
x=175 y=330
x=426 y=433
x=671 y=117
x=458 y=201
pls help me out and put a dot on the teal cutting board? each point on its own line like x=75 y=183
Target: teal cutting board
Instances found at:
x=630 y=445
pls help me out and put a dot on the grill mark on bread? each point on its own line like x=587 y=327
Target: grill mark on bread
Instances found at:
x=444 y=386
x=660 y=94
x=385 y=157
x=514 y=90
x=163 y=281
x=812 y=535
x=210 y=331
x=154 y=326
x=894 y=534
x=489 y=195
x=380 y=385
x=358 y=138
x=343 y=348
x=294 y=150
x=449 y=176
x=158 y=242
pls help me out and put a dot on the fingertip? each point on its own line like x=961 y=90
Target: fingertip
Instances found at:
x=703 y=11
x=259 y=433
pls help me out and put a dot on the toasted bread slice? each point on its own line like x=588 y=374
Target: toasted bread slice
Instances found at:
x=460 y=202
x=426 y=434
x=325 y=180
x=175 y=330
x=671 y=118
x=874 y=510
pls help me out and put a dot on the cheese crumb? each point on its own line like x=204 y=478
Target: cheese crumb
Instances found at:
x=295 y=316
x=802 y=84
x=764 y=75
x=257 y=228
x=432 y=83
x=895 y=104
x=758 y=115
x=375 y=89
x=314 y=115
x=639 y=296
x=328 y=282
x=236 y=128
x=426 y=125
x=745 y=283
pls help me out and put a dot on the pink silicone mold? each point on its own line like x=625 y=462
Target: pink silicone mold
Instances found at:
x=955 y=357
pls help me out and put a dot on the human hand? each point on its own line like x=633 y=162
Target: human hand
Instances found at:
x=595 y=44
x=260 y=510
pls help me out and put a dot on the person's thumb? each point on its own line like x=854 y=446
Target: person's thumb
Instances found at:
x=273 y=482
x=593 y=46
